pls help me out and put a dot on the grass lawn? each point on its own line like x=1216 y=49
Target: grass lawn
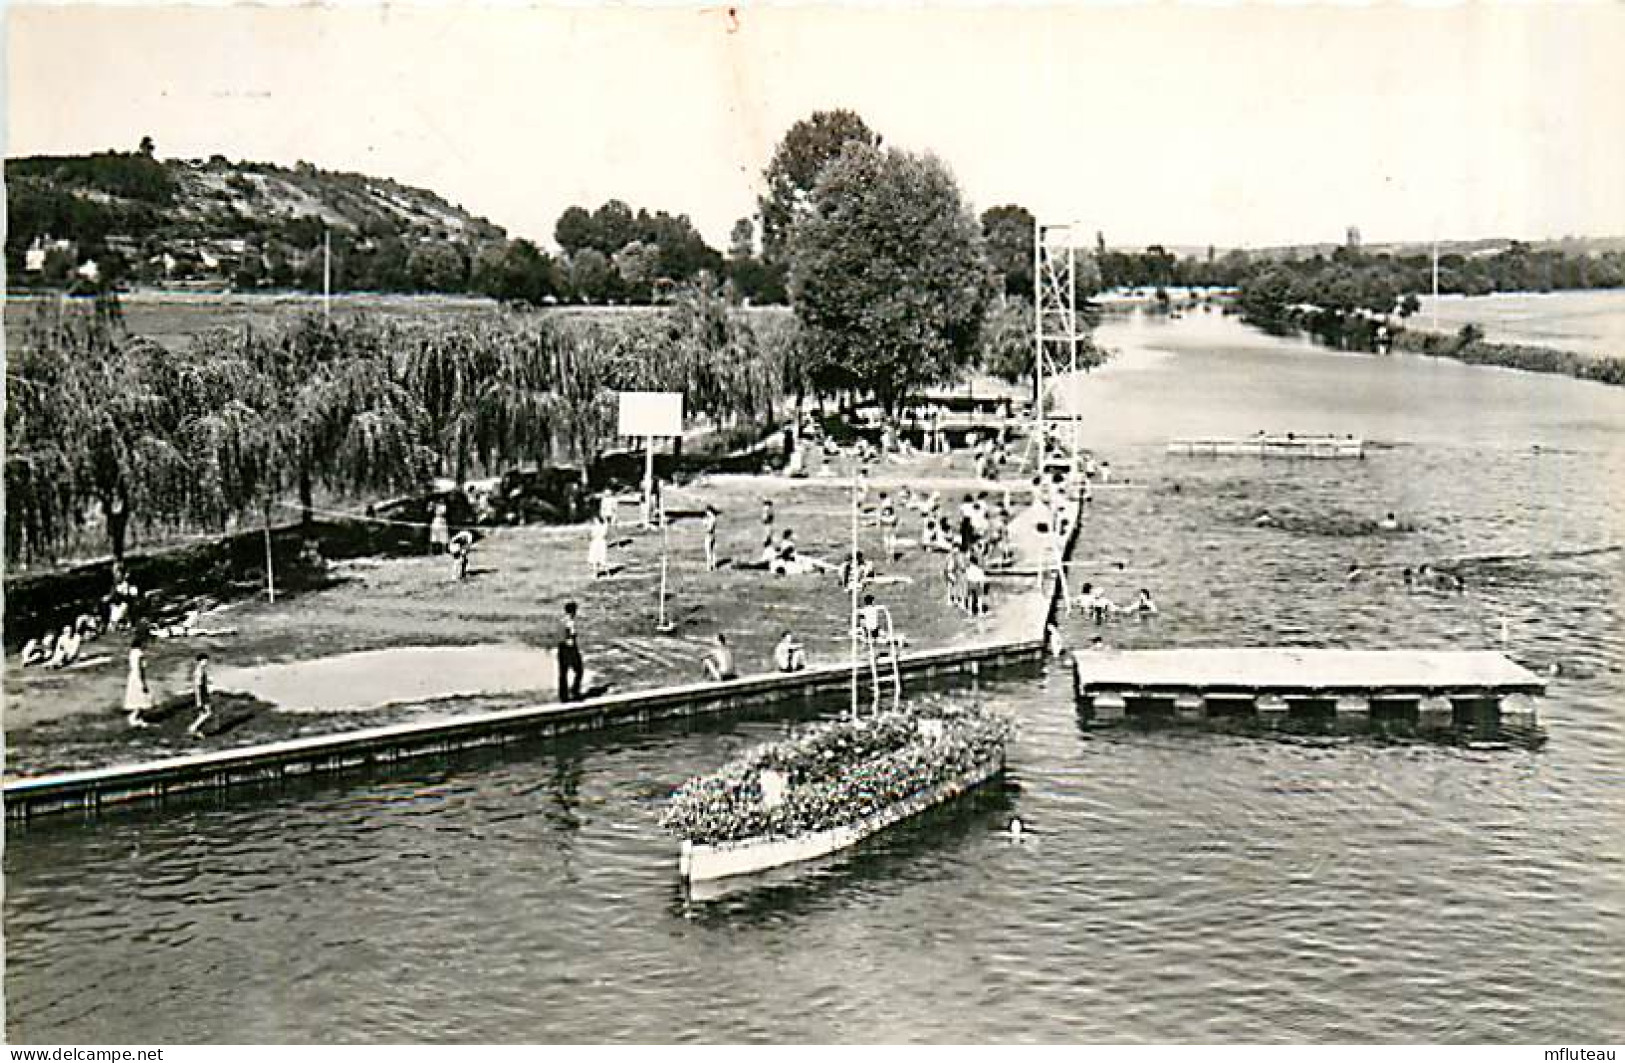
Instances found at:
x=1591 y=323
x=512 y=605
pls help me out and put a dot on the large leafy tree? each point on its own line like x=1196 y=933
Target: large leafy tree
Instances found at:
x=574 y=230
x=889 y=277
x=792 y=174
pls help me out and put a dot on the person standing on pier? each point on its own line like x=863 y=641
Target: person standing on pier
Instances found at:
x=888 y=527
x=461 y=545
x=439 y=530
x=719 y=663
x=571 y=666
x=598 y=548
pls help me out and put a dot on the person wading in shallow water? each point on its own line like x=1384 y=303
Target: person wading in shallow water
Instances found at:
x=571 y=667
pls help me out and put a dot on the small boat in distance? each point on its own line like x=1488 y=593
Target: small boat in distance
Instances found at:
x=1267 y=446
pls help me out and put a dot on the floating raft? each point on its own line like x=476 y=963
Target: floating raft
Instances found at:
x=1428 y=687
x=1271 y=447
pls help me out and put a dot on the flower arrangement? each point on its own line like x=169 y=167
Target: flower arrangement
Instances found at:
x=834 y=774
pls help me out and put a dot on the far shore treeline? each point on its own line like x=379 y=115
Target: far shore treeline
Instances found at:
x=895 y=285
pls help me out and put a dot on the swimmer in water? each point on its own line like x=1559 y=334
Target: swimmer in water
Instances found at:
x=1264 y=520
x=1017 y=830
x=1388 y=523
x=1354 y=572
x=1408 y=577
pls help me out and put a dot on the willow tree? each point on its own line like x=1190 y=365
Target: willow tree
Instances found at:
x=732 y=370
x=43 y=507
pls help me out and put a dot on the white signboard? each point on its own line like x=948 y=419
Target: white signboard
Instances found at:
x=651 y=413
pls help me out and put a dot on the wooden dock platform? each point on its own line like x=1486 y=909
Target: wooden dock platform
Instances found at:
x=1444 y=687
x=1271 y=447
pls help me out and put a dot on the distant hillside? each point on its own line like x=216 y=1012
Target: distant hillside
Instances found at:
x=88 y=220
x=1568 y=245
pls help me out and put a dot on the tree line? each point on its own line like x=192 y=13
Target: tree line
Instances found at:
x=109 y=432
x=895 y=286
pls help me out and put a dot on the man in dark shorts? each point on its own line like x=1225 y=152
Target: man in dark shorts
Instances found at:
x=571 y=667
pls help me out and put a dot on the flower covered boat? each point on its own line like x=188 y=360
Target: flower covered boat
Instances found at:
x=829 y=787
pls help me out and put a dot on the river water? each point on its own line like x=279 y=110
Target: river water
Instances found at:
x=1182 y=885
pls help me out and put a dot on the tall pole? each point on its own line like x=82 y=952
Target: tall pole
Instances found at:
x=648 y=479
x=852 y=579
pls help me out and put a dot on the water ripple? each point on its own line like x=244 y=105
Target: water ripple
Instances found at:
x=1179 y=885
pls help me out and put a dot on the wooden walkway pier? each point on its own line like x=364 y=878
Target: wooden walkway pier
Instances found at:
x=1431 y=688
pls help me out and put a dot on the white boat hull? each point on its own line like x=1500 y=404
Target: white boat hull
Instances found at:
x=704 y=863
x=1271 y=447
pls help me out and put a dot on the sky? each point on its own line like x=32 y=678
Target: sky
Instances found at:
x=1187 y=125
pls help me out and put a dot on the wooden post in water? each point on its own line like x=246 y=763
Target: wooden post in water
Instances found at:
x=327 y=274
